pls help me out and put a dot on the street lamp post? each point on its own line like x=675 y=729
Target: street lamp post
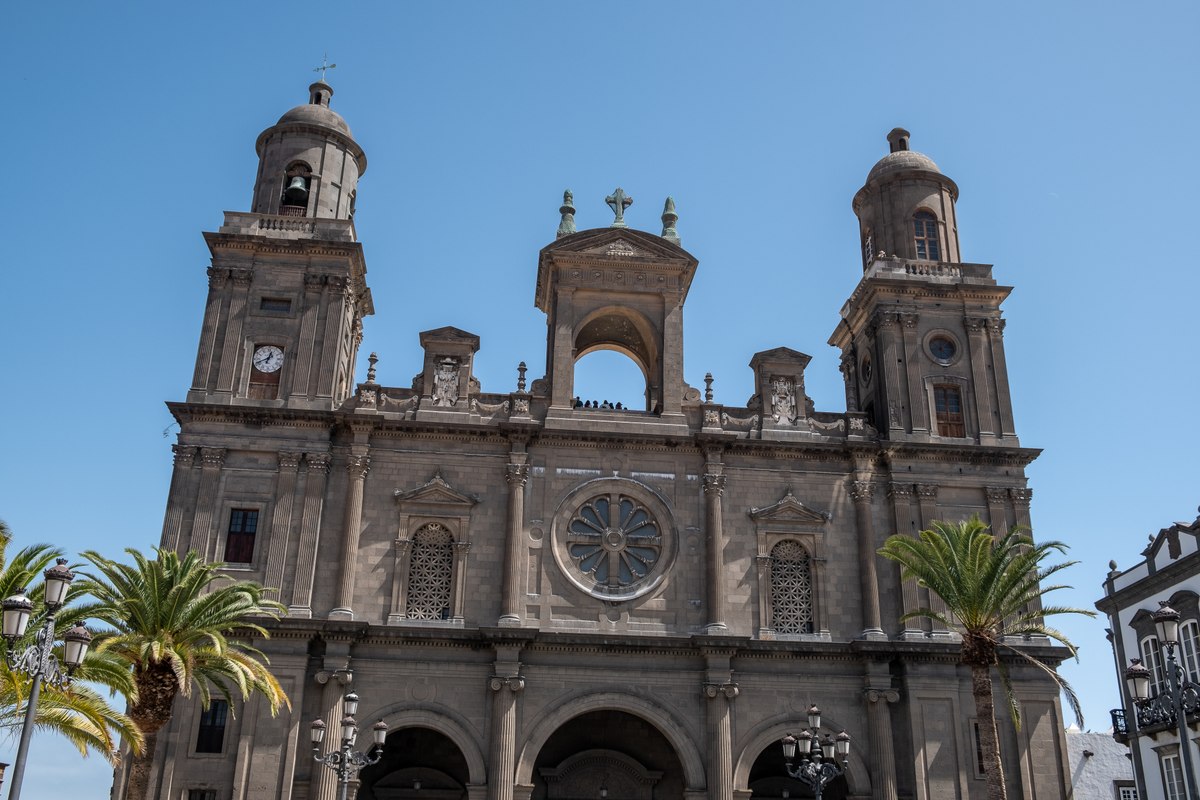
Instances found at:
x=818 y=757
x=347 y=761
x=1172 y=706
x=38 y=660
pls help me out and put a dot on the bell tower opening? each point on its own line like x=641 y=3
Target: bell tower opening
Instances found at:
x=609 y=339
x=609 y=379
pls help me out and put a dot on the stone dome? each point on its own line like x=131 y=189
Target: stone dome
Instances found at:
x=316 y=114
x=901 y=161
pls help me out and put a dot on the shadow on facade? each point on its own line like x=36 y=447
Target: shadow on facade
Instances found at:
x=417 y=764
x=769 y=780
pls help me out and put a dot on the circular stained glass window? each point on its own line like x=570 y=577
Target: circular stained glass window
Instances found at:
x=612 y=543
x=942 y=349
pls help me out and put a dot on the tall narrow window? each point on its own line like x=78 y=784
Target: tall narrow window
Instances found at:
x=430 y=570
x=1152 y=658
x=1172 y=778
x=791 y=588
x=947 y=401
x=239 y=542
x=1189 y=643
x=211 y=738
x=925 y=233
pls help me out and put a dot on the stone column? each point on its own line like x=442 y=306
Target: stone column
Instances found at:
x=720 y=739
x=901 y=495
x=861 y=492
x=997 y=501
x=281 y=519
x=357 y=467
x=502 y=760
x=886 y=325
x=714 y=488
x=979 y=376
x=517 y=474
x=337 y=290
x=995 y=329
x=927 y=500
x=212 y=458
x=310 y=532
x=561 y=368
x=917 y=404
x=301 y=388
x=324 y=785
x=227 y=379
x=879 y=730
x=181 y=488
x=459 y=588
x=217 y=281
x=1020 y=500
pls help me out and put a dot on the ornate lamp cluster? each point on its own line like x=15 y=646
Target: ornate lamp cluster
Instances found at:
x=1172 y=706
x=818 y=756
x=38 y=659
x=346 y=761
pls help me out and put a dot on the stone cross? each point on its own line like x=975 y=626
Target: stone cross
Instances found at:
x=618 y=201
x=324 y=66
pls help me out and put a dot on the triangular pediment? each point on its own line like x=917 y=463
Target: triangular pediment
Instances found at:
x=789 y=510
x=781 y=354
x=436 y=491
x=449 y=333
x=618 y=243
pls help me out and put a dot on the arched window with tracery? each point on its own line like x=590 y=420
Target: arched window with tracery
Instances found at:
x=791 y=588
x=430 y=573
x=925 y=236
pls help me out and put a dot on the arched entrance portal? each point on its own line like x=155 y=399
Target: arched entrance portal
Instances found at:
x=770 y=781
x=607 y=755
x=417 y=764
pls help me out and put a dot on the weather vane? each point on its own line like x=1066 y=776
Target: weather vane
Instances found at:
x=324 y=66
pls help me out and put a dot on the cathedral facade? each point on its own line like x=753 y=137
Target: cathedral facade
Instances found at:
x=550 y=599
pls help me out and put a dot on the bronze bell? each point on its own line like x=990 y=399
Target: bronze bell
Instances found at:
x=296 y=193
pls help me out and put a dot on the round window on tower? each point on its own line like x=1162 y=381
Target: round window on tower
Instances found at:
x=942 y=348
x=614 y=538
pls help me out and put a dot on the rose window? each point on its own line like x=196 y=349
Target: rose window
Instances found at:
x=614 y=540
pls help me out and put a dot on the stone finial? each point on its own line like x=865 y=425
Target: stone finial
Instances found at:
x=521 y=376
x=618 y=201
x=567 y=226
x=898 y=140
x=669 y=218
x=372 y=359
x=708 y=392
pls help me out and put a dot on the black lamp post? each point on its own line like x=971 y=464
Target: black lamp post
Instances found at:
x=38 y=660
x=818 y=756
x=347 y=761
x=1172 y=706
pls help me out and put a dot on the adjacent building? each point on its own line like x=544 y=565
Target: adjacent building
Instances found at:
x=1169 y=572
x=550 y=599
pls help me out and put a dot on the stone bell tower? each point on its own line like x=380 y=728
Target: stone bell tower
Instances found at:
x=616 y=289
x=922 y=336
x=287 y=284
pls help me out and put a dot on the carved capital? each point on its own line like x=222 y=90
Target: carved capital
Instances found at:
x=217 y=277
x=900 y=490
x=184 y=454
x=885 y=319
x=343 y=677
x=336 y=284
x=714 y=690
x=996 y=494
x=862 y=491
x=1021 y=497
x=241 y=277
x=358 y=467
x=289 y=460
x=212 y=457
x=516 y=474
x=927 y=491
x=846 y=364
x=714 y=485
x=403 y=546
x=974 y=324
x=318 y=462
x=313 y=282
x=461 y=548
x=909 y=320
x=886 y=695
x=996 y=327
x=514 y=683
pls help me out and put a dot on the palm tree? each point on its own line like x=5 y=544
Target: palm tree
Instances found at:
x=992 y=588
x=79 y=712
x=172 y=620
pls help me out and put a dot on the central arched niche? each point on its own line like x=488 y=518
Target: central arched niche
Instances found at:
x=625 y=331
x=623 y=754
x=417 y=764
x=770 y=781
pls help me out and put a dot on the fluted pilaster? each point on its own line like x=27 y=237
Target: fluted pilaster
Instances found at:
x=181 y=488
x=310 y=534
x=879 y=730
x=357 y=468
x=861 y=492
x=720 y=739
x=517 y=475
x=714 y=488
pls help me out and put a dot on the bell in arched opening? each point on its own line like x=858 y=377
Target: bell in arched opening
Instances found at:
x=296 y=193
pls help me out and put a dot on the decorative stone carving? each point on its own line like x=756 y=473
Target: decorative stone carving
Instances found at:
x=358 y=466
x=516 y=474
x=520 y=406
x=734 y=423
x=318 y=462
x=1021 y=497
x=783 y=400
x=714 y=484
x=996 y=494
x=217 y=278
x=835 y=425
x=909 y=320
x=974 y=324
x=712 y=418
x=713 y=690
x=212 y=457
x=489 y=408
x=445 y=382
x=241 y=277
x=184 y=454
x=368 y=398
x=514 y=683
x=927 y=491
x=289 y=460
x=900 y=490
x=996 y=327
x=862 y=491
x=886 y=695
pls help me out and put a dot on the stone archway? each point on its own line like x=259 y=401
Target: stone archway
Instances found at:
x=758 y=767
x=418 y=764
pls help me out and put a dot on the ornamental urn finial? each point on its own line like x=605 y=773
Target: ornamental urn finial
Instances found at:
x=567 y=226
x=669 y=218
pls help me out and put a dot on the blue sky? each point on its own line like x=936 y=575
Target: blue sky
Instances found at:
x=1070 y=128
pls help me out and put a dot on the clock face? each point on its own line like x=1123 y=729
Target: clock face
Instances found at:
x=268 y=358
x=942 y=349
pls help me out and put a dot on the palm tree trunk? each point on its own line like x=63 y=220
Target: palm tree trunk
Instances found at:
x=989 y=741
x=156 y=690
x=137 y=782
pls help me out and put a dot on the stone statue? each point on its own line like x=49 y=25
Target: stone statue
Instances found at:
x=445 y=383
x=783 y=400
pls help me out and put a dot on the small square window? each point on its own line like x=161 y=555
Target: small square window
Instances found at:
x=275 y=304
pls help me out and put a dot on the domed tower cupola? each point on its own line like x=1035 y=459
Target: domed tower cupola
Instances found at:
x=906 y=207
x=309 y=163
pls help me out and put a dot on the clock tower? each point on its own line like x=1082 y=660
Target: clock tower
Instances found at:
x=287 y=284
